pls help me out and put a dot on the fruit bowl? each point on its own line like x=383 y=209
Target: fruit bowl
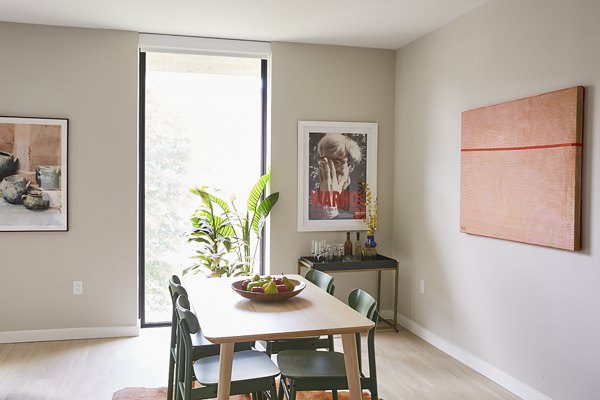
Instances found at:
x=268 y=297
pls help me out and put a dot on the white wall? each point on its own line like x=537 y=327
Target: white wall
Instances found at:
x=528 y=311
x=327 y=83
x=90 y=77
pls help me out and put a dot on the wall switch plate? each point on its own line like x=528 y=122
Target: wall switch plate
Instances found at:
x=77 y=287
x=422 y=286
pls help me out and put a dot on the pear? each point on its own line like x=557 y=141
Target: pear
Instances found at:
x=287 y=283
x=271 y=288
x=256 y=277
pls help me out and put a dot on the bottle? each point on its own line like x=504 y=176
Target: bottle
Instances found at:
x=357 y=247
x=348 y=246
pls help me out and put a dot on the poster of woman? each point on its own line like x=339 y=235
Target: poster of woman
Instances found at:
x=335 y=159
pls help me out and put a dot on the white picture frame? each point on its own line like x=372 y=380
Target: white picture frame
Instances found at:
x=352 y=148
x=33 y=174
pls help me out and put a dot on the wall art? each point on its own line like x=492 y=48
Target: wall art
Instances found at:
x=521 y=170
x=33 y=174
x=335 y=159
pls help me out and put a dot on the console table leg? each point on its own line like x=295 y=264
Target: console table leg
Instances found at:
x=396 y=298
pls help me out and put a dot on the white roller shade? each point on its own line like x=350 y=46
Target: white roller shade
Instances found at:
x=198 y=45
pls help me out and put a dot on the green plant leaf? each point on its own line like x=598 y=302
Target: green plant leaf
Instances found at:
x=209 y=198
x=262 y=212
x=257 y=191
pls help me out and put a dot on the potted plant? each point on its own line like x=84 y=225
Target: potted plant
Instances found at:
x=226 y=246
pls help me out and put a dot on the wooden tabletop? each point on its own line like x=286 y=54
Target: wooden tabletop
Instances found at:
x=226 y=317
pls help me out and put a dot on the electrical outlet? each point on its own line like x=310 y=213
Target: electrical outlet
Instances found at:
x=77 y=287
x=422 y=286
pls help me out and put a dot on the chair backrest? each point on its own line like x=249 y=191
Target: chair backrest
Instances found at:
x=321 y=279
x=187 y=325
x=176 y=289
x=365 y=304
x=362 y=302
x=186 y=316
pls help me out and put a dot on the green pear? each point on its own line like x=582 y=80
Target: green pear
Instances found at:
x=287 y=283
x=271 y=288
x=256 y=277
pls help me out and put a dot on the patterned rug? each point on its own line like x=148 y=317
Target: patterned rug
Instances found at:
x=139 y=393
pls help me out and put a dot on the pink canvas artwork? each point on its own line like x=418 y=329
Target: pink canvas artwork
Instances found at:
x=521 y=170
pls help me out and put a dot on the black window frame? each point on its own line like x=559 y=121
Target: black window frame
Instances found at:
x=142 y=182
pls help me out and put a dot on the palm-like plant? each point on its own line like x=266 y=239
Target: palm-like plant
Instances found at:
x=224 y=234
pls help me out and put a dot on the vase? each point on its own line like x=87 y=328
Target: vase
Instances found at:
x=369 y=252
x=13 y=187
x=371 y=241
x=7 y=164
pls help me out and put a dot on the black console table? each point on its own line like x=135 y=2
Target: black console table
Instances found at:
x=379 y=263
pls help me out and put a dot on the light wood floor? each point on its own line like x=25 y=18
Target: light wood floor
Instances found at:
x=408 y=368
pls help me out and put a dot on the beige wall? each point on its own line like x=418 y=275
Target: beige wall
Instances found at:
x=327 y=83
x=90 y=77
x=526 y=311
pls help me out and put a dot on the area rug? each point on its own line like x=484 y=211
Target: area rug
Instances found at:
x=140 y=393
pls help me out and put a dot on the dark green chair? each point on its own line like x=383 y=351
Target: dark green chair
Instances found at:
x=324 y=370
x=200 y=345
x=252 y=371
x=325 y=282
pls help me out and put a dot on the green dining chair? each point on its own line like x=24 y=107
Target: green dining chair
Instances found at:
x=200 y=345
x=253 y=372
x=325 y=370
x=325 y=282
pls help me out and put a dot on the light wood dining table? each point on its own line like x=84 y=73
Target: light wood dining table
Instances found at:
x=226 y=318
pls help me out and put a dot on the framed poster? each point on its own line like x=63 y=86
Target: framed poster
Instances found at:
x=33 y=174
x=335 y=160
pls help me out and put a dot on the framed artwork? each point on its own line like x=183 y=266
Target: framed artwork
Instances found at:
x=33 y=174
x=335 y=160
x=521 y=170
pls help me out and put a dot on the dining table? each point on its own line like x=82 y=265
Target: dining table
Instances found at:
x=226 y=318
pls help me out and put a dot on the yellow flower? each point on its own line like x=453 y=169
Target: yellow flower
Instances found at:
x=370 y=219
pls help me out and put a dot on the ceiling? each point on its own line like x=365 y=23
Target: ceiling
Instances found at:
x=387 y=24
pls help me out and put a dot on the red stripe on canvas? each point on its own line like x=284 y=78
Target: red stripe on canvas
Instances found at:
x=544 y=146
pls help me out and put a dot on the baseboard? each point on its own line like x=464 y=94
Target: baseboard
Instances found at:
x=44 y=335
x=498 y=376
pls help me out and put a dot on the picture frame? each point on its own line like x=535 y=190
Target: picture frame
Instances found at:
x=349 y=148
x=33 y=174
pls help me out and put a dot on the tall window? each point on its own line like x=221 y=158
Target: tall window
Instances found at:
x=202 y=125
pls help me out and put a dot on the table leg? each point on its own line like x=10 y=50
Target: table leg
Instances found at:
x=225 y=366
x=351 y=362
x=396 y=298
x=378 y=290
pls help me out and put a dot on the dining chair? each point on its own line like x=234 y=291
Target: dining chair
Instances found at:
x=325 y=370
x=253 y=372
x=200 y=345
x=325 y=282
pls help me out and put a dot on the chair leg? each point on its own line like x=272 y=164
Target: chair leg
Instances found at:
x=171 y=376
x=273 y=390
x=281 y=388
x=268 y=348
x=292 y=389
